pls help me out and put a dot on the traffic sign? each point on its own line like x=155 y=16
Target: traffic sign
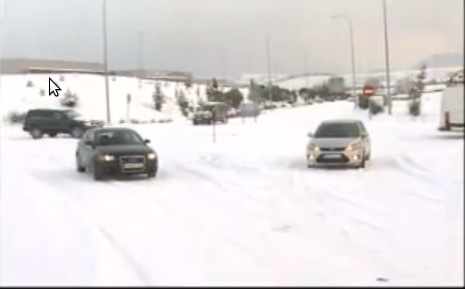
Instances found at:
x=368 y=90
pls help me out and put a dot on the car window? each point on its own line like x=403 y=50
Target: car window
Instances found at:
x=363 y=128
x=72 y=114
x=57 y=115
x=119 y=137
x=40 y=113
x=337 y=130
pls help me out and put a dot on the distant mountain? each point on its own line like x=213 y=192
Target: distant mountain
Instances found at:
x=442 y=60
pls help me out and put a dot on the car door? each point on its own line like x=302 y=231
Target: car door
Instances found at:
x=86 y=151
x=44 y=120
x=57 y=121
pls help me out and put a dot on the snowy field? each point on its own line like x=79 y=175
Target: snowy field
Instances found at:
x=244 y=210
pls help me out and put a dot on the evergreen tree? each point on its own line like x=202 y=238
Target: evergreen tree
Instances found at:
x=233 y=97
x=214 y=93
x=158 y=97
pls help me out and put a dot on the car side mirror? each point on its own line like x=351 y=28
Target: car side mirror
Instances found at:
x=146 y=141
x=310 y=135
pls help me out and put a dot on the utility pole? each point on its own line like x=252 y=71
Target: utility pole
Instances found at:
x=141 y=57
x=105 y=59
x=306 y=68
x=386 y=51
x=268 y=61
x=352 y=52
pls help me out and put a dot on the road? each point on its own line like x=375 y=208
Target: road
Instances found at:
x=242 y=211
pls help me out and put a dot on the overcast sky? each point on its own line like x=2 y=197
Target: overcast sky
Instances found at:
x=228 y=37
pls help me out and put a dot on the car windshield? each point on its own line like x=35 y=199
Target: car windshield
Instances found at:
x=117 y=137
x=337 y=130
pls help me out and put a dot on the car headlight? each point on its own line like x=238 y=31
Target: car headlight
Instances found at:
x=356 y=146
x=106 y=158
x=314 y=148
x=151 y=156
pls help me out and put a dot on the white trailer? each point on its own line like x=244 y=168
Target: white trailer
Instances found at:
x=452 y=103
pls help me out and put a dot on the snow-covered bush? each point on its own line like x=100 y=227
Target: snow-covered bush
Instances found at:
x=414 y=107
x=69 y=99
x=16 y=117
x=158 y=98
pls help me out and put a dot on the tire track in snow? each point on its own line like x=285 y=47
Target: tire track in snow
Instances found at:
x=103 y=231
x=131 y=261
x=413 y=169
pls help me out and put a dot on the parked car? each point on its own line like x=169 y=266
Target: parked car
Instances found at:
x=339 y=142
x=318 y=100
x=210 y=112
x=249 y=109
x=451 y=115
x=52 y=122
x=108 y=151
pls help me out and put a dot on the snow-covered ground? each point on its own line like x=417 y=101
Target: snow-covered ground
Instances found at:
x=244 y=210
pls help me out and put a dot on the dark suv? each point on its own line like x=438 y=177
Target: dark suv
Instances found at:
x=211 y=112
x=53 y=122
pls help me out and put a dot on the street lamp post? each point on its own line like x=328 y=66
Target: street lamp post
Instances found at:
x=352 y=50
x=141 y=57
x=268 y=61
x=386 y=51
x=105 y=60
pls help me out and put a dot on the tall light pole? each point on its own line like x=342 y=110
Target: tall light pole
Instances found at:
x=352 y=51
x=268 y=61
x=141 y=57
x=306 y=67
x=386 y=51
x=105 y=59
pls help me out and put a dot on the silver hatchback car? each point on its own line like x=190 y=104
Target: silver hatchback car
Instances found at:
x=339 y=143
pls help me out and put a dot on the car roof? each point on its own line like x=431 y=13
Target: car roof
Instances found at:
x=341 y=121
x=47 y=109
x=109 y=129
x=214 y=103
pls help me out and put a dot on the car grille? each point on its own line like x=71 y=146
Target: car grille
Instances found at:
x=323 y=158
x=336 y=149
x=134 y=163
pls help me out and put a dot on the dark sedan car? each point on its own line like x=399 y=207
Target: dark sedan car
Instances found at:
x=106 y=151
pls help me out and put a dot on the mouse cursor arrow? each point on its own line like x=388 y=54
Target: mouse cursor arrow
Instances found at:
x=53 y=88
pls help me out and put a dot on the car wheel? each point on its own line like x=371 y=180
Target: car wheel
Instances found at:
x=195 y=122
x=52 y=134
x=37 y=133
x=79 y=168
x=98 y=174
x=368 y=157
x=363 y=163
x=77 y=132
x=152 y=174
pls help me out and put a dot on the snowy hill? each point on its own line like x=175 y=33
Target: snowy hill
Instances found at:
x=17 y=96
x=439 y=74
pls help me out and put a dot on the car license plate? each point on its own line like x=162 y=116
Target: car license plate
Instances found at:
x=133 y=166
x=333 y=156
